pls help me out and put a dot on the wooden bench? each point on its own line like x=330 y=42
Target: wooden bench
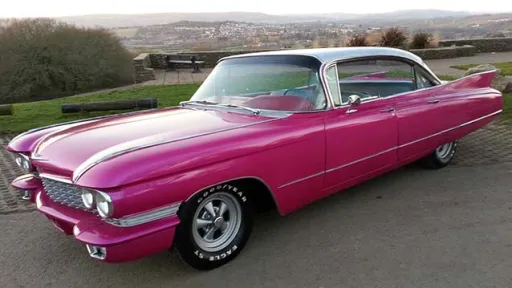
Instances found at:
x=195 y=66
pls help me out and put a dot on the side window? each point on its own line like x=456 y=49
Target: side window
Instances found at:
x=333 y=83
x=422 y=81
x=374 y=78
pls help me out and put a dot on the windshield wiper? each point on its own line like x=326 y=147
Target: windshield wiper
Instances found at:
x=203 y=102
x=254 y=111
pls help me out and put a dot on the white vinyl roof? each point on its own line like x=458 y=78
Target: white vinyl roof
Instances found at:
x=325 y=55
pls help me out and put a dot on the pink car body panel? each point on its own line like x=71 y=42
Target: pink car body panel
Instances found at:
x=300 y=158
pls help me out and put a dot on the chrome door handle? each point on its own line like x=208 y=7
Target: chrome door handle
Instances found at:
x=387 y=110
x=434 y=101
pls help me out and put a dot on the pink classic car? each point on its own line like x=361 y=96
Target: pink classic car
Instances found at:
x=274 y=130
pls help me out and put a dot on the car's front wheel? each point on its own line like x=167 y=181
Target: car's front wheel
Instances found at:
x=441 y=156
x=215 y=226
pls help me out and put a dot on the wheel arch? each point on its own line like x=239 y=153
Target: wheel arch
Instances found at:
x=259 y=191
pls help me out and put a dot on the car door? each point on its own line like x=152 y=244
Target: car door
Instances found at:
x=361 y=140
x=420 y=117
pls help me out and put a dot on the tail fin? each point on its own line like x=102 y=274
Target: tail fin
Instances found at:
x=475 y=81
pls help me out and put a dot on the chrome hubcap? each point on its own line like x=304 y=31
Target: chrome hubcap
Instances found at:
x=444 y=151
x=216 y=222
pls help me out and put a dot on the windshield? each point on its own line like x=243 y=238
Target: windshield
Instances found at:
x=283 y=83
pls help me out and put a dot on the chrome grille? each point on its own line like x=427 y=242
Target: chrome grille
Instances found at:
x=64 y=193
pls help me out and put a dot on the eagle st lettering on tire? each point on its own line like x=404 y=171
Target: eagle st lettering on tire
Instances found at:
x=215 y=226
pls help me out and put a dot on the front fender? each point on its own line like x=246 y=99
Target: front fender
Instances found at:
x=172 y=172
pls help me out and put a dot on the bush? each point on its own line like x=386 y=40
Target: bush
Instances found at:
x=42 y=58
x=357 y=40
x=421 y=40
x=393 y=37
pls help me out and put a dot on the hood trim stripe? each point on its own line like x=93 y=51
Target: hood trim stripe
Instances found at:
x=51 y=138
x=84 y=120
x=117 y=150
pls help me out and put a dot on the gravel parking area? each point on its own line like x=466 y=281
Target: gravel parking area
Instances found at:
x=9 y=199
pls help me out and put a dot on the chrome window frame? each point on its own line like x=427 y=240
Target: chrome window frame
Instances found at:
x=323 y=82
x=412 y=63
x=333 y=103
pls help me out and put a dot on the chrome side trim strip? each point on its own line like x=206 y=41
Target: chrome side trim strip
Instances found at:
x=302 y=179
x=337 y=168
x=360 y=160
x=450 y=129
x=55 y=178
x=145 y=217
x=124 y=148
x=389 y=150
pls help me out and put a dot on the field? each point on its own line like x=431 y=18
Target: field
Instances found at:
x=37 y=114
x=125 y=32
x=506 y=68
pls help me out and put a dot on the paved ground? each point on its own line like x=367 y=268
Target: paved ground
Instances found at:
x=409 y=228
x=9 y=199
x=181 y=76
x=442 y=66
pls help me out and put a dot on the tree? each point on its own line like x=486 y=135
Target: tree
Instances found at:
x=42 y=58
x=393 y=37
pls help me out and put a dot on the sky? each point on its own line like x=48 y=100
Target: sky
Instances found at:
x=56 y=8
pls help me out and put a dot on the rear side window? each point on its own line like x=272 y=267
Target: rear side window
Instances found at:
x=375 y=78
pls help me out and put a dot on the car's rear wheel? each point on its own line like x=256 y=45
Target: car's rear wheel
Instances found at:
x=215 y=226
x=441 y=156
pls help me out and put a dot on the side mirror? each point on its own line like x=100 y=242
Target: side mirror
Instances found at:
x=353 y=101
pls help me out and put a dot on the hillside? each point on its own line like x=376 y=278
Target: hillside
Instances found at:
x=127 y=20
x=133 y=20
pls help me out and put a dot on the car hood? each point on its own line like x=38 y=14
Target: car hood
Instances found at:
x=67 y=149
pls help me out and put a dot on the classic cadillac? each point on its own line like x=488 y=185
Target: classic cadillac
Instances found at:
x=273 y=130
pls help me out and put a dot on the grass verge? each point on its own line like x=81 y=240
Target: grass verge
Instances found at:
x=36 y=114
x=506 y=67
x=507 y=106
x=446 y=77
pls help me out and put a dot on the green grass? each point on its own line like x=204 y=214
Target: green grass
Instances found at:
x=506 y=67
x=507 y=106
x=238 y=84
x=36 y=114
x=395 y=74
x=446 y=77
x=389 y=74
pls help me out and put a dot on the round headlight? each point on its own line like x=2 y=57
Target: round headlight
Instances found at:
x=19 y=161
x=88 y=198
x=104 y=205
x=23 y=162
x=26 y=165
